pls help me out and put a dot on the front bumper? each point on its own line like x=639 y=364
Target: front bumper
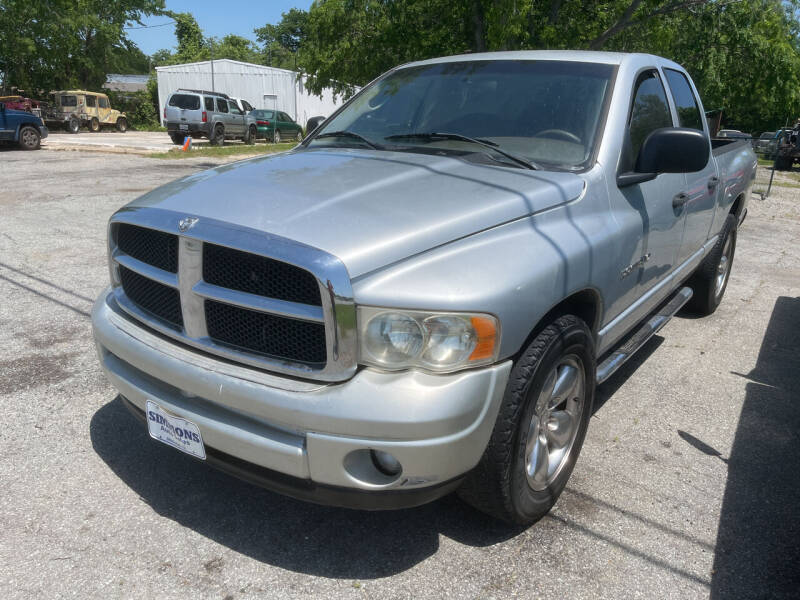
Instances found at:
x=310 y=440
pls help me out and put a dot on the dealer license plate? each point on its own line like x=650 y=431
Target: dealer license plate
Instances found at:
x=174 y=431
x=184 y=127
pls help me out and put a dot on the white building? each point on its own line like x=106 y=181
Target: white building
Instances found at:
x=263 y=87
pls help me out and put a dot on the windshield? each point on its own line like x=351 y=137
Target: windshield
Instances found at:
x=544 y=111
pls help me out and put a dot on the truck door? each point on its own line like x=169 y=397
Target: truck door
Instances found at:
x=701 y=187
x=103 y=109
x=650 y=229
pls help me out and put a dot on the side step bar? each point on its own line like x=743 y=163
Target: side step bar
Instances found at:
x=620 y=356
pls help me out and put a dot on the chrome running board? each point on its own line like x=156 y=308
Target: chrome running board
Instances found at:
x=639 y=338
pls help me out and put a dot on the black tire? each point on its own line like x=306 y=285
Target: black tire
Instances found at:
x=176 y=138
x=499 y=485
x=276 y=137
x=783 y=163
x=250 y=138
x=218 y=137
x=706 y=284
x=94 y=125
x=122 y=125
x=73 y=125
x=29 y=138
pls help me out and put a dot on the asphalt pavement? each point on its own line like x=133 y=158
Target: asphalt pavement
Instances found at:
x=688 y=485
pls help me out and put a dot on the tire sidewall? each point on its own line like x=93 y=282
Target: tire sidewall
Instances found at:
x=575 y=339
x=122 y=125
x=73 y=125
x=21 y=138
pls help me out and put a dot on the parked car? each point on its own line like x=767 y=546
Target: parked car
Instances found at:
x=733 y=134
x=761 y=145
x=423 y=295
x=243 y=105
x=203 y=114
x=22 y=103
x=276 y=126
x=21 y=127
x=74 y=109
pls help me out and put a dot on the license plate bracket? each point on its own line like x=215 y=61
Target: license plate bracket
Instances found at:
x=174 y=431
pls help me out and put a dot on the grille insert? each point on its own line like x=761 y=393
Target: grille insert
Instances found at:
x=153 y=247
x=259 y=275
x=266 y=334
x=155 y=298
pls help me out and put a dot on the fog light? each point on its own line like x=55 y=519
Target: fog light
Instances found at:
x=385 y=463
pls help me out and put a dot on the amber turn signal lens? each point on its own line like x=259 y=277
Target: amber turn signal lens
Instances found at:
x=487 y=335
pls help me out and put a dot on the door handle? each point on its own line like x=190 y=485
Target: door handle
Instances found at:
x=679 y=200
x=712 y=182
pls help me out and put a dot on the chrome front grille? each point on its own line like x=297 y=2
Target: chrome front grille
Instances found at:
x=245 y=295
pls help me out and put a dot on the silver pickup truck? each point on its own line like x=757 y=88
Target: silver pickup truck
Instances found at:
x=423 y=296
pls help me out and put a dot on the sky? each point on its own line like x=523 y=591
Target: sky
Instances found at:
x=216 y=18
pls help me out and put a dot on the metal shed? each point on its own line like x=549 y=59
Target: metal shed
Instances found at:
x=261 y=86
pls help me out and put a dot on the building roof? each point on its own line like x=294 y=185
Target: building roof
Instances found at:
x=228 y=61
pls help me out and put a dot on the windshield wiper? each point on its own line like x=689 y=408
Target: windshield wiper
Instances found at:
x=349 y=134
x=528 y=164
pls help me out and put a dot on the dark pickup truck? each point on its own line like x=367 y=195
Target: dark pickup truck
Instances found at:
x=21 y=127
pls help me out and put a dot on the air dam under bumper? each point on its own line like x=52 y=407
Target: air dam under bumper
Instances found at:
x=311 y=440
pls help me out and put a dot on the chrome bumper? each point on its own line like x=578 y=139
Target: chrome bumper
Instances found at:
x=437 y=426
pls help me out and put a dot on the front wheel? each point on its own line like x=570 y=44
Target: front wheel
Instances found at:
x=218 y=137
x=29 y=138
x=710 y=280
x=540 y=427
x=94 y=125
x=122 y=125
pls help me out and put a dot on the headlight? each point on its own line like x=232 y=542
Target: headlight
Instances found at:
x=441 y=342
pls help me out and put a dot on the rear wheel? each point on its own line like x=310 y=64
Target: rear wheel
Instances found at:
x=710 y=280
x=94 y=125
x=218 y=137
x=250 y=138
x=29 y=138
x=276 y=137
x=176 y=138
x=540 y=427
x=73 y=125
x=122 y=125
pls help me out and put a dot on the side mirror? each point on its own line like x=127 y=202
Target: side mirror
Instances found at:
x=668 y=150
x=313 y=123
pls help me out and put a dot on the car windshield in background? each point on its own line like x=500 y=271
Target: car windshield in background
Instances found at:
x=185 y=101
x=547 y=112
x=69 y=101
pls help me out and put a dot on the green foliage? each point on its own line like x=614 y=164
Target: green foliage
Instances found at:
x=68 y=43
x=744 y=56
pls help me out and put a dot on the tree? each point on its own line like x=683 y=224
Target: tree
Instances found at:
x=66 y=43
x=284 y=40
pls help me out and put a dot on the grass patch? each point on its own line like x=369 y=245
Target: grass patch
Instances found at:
x=765 y=162
x=143 y=127
x=232 y=150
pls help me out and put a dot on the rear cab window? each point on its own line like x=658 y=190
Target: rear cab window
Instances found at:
x=185 y=101
x=685 y=102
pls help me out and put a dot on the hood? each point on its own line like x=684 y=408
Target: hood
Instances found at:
x=369 y=208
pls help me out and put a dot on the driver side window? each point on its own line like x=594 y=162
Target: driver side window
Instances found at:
x=649 y=111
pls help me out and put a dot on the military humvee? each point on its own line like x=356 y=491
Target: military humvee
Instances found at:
x=74 y=109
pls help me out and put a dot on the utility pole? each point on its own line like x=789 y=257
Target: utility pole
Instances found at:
x=211 y=46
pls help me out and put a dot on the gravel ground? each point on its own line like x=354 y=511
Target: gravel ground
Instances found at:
x=687 y=486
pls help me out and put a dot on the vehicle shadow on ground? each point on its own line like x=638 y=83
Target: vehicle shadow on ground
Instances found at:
x=281 y=531
x=757 y=551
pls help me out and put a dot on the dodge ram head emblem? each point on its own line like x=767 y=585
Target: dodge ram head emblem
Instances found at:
x=186 y=224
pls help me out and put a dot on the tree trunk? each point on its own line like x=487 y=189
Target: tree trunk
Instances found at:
x=479 y=26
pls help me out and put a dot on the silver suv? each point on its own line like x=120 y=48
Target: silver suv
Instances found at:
x=211 y=115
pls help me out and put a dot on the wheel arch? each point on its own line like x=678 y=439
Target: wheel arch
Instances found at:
x=737 y=206
x=586 y=304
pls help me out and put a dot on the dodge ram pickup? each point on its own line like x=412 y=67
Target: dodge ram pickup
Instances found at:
x=423 y=295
